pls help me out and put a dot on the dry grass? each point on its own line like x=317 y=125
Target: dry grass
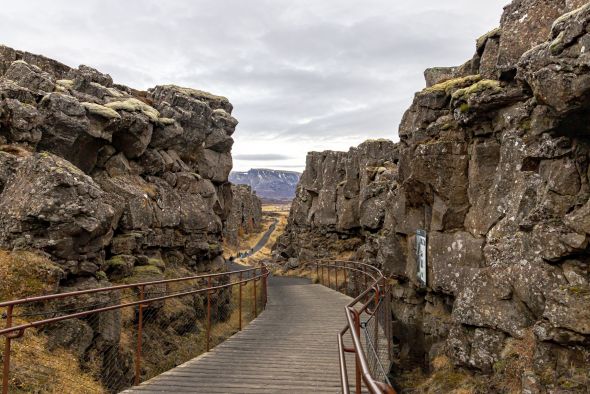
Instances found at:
x=35 y=368
x=266 y=252
x=24 y=274
x=444 y=379
x=517 y=358
x=15 y=150
x=247 y=240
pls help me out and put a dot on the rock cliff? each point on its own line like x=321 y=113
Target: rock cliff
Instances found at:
x=112 y=184
x=92 y=170
x=245 y=216
x=493 y=162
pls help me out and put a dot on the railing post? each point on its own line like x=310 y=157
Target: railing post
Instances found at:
x=138 y=349
x=357 y=371
x=388 y=322
x=6 y=362
x=240 y=302
x=255 y=308
x=345 y=282
x=317 y=270
x=262 y=273
x=336 y=274
x=208 y=312
x=265 y=286
x=322 y=278
x=329 y=280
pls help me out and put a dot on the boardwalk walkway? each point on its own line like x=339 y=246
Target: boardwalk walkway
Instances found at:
x=290 y=348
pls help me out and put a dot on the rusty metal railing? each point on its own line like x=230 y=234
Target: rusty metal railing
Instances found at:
x=368 y=320
x=144 y=295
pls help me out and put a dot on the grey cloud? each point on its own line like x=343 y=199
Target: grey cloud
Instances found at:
x=261 y=157
x=297 y=71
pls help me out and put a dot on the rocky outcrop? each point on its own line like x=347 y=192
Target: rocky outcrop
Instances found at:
x=96 y=170
x=245 y=216
x=493 y=162
x=340 y=195
x=109 y=182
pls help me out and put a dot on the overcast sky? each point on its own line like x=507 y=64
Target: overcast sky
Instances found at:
x=302 y=74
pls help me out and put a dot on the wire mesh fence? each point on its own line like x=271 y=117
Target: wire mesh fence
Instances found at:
x=106 y=340
x=370 y=320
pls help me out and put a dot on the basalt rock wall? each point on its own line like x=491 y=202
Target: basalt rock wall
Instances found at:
x=92 y=170
x=340 y=196
x=493 y=162
x=245 y=216
x=113 y=184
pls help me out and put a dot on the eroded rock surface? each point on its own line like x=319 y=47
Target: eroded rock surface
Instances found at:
x=245 y=216
x=493 y=162
x=109 y=182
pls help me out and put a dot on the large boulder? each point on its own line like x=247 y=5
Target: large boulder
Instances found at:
x=49 y=204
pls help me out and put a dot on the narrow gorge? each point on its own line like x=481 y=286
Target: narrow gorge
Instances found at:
x=493 y=163
x=103 y=186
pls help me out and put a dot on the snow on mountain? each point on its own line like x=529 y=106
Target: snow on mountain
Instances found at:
x=270 y=185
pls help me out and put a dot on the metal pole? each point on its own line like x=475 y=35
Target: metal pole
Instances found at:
x=255 y=309
x=357 y=371
x=6 y=363
x=139 y=337
x=240 y=304
x=345 y=283
x=317 y=270
x=265 y=286
x=208 y=311
x=388 y=323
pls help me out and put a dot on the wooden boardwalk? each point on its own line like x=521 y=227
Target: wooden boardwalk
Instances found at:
x=290 y=348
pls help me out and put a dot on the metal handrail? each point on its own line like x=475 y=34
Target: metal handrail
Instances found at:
x=11 y=332
x=374 y=292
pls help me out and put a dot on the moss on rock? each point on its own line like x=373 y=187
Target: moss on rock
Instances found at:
x=157 y=262
x=101 y=110
x=452 y=84
x=478 y=87
x=135 y=105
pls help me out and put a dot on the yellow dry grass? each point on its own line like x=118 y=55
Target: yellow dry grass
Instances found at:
x=247 y=241
x=266 y=252
x=444 y=379
x=34 y=368
x=24 y=274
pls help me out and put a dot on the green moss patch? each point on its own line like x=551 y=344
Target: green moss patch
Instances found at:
x=452 y=84
x=101 y=110
x=135 y=105
x=478 y=87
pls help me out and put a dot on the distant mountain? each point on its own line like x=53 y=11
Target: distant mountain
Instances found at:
x=270 y=185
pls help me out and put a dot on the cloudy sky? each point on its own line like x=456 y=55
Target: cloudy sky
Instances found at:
x=302 y=74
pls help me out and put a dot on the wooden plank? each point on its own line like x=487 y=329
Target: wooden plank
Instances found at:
x=290 y=347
